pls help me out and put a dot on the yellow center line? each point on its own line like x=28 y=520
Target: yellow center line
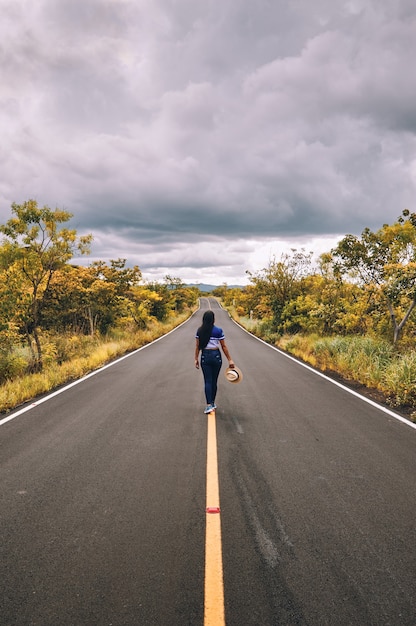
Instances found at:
x=214 y=586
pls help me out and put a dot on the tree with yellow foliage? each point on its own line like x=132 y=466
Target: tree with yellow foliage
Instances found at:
x=35 y=246
x=385 y=262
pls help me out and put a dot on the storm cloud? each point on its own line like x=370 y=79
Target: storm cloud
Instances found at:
x=199 y=138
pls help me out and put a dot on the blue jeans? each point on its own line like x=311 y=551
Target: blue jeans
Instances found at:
x=211 y=364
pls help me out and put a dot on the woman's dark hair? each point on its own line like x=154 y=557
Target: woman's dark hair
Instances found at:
x=204 y=331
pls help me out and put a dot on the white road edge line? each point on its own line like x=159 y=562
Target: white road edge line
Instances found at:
x=36 y=403
x=334 y=382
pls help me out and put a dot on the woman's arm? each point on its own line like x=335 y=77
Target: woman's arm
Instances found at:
x=197 y=353
x=226 y=352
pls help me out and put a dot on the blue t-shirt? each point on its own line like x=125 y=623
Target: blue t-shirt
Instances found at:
x=214 y=341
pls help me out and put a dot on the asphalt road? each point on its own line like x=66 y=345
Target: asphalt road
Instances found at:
x=102 y=503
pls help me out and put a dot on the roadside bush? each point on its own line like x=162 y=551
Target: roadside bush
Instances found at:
x=70 y=346
x=12 y=364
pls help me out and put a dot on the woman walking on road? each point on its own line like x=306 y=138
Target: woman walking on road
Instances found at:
x=209 y=338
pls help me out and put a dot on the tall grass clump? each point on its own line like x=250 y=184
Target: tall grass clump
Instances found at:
x=301 y=346
x=363 y=359
x=399 y=380
x=249 y=324
x=260 y=328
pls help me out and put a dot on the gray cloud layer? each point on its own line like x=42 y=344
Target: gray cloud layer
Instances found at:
x=190 y=135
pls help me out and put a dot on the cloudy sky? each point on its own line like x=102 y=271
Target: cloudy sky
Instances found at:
x=200 y=138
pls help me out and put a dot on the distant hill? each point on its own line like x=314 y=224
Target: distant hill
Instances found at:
x=207 y=288
x=202 y=286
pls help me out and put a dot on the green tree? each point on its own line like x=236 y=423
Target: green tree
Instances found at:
x=34 y=247
x=79 y=301
x=278 y=283
x=9 y=330
x=124 y=278
x=220 y=291
x=385 y=262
